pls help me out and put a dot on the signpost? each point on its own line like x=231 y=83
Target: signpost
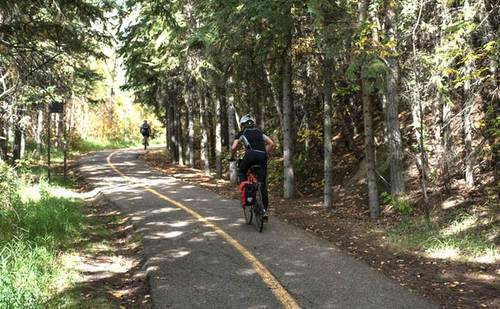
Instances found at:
x=56 y=108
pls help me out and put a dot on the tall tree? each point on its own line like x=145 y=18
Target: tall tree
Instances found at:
x=327 y=134
x=392 y=107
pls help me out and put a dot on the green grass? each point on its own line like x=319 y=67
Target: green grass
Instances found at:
x=82 y=146
x=461 y=237
x=37 y=223
x=97 y=144
x=27 y=274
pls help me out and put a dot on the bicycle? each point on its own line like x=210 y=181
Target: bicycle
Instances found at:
x=253 y=205
x=145 y=142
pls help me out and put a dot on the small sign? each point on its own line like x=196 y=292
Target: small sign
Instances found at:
x=56 y=108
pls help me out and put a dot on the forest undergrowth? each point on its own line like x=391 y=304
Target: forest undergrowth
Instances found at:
x=60 y=248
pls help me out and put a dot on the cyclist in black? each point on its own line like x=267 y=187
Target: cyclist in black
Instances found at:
x=146 y=130
x=257 y=146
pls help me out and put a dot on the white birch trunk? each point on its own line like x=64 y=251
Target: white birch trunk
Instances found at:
x=39 y=132
x=288 y=184
x=233 y=170
x=230 y=120
x=466 y=115
x=178 y=132
x=190 y=127
x=218 y=136
x=58 y=123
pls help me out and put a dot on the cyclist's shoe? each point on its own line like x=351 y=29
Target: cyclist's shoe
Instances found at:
x=265 y=216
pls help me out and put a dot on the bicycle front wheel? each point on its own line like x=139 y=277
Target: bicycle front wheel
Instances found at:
x=259 y=210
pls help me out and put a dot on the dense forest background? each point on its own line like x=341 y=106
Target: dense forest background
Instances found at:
x=386 y=116
x=400 y=94
x=406 y=91
x=62 y=52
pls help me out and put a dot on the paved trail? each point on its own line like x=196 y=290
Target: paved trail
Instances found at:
x=200 y=254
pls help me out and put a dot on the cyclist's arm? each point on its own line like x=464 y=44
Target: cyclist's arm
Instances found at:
x=269 y=143
x=234 y=148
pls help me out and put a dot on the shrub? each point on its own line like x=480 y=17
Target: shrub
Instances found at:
x=9 y=185
x=401 y=204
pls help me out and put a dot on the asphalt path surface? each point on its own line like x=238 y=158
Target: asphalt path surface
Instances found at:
x=200 y=253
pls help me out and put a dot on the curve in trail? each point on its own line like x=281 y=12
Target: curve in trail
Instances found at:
x=278 y=290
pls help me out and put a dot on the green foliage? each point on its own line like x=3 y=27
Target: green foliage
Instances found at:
x=33 y=229
x=401 y=204
x=40 y=42
x=9 y=184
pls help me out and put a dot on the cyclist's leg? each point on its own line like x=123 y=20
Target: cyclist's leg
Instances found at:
x=245 y=164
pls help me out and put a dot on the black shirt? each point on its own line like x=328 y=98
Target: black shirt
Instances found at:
x=252 y=138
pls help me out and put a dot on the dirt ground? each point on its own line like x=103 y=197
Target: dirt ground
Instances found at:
x=449 y=284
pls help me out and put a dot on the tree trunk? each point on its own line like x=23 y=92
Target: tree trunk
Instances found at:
x=3 y=137
x=466 y=115
x=370 y=151
x=39 y=132
x=218 y=135
x=18 y=139
x=352 y=110
x=190 y=131
x=275 y=94
x=173 y=129
x=288 y=184
x=72 y=112
x=223 y=118
x=445 y=141
x=262 y=113
x=347 y=127
x=444 y=130
x=467 y=127
x=418 y=120
x=230 y=120
x=58 y=122
x=178 y=131
x=392 y=114
x=362 y=9
x=204 y=135
x=162 y=95
x=233 y=171
x=327 y=135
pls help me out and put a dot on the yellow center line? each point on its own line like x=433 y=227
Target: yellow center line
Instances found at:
x=278 y=290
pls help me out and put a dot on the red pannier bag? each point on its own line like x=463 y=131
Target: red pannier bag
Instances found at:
x=247 y=195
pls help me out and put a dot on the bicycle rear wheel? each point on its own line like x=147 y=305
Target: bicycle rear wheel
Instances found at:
x=259 y=210
x=248 y=212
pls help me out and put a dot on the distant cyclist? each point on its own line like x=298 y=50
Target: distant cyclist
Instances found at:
x=146 y=132
x=257 y=147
